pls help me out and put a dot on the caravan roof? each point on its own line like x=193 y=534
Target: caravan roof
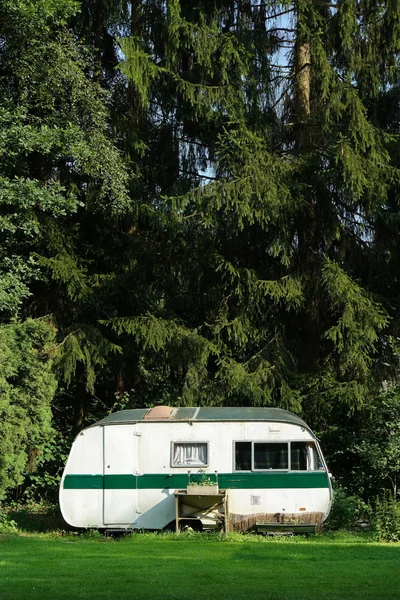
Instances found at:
x=170 y=414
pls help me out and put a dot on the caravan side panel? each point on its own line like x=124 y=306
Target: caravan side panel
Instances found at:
x=120 y=463
x=81 y=494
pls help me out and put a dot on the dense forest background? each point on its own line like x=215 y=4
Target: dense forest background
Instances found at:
x=199 y=205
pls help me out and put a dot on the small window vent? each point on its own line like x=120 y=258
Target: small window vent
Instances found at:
x=274 y=428
x=256 y=500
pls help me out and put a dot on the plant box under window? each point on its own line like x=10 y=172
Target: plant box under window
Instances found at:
x=202 y=490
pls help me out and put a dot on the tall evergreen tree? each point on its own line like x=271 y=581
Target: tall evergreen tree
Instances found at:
x=262 y=292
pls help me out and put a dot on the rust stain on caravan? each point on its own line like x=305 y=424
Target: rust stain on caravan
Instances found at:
x=241 y=523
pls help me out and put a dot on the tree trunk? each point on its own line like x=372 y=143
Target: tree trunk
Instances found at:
x=308 y=234
x=302 y=94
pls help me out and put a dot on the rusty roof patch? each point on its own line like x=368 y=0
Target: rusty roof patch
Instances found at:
x=159 y=413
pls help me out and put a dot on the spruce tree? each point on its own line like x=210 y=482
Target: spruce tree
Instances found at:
x=265 y=297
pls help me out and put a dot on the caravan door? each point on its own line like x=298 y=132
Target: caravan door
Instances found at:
x=120 y=469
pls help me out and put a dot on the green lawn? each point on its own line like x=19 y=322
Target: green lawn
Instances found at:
x=152 y=567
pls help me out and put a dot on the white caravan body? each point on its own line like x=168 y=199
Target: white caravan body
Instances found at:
x=129 y=470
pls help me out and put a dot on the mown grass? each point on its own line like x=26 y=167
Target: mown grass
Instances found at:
x=196 y=566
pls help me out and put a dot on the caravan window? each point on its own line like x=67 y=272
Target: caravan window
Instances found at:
x=243 y=456
x=189 y=454
x=270 y=456
x=276 y=456
x=304 y=457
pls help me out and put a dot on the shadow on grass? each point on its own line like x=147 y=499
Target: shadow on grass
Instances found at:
x=38 y=519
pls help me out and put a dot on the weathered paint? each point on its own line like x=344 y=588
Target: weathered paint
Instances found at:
x=240 y=523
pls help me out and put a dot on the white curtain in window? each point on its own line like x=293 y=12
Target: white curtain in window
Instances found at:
x=190 y=454
x=312 y=457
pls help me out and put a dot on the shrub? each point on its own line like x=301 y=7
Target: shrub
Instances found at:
x=6 y=523
x=387 y=518
x=346 y=510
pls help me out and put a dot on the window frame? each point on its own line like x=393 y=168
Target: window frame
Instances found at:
x=196 y=466
x=270 y=442
x=234 y=469
x=289 y=445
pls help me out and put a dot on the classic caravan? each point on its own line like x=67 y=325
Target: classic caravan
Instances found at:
x=136 y=469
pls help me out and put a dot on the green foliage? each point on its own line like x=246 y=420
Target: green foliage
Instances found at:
x=138 y=66
x=202 y=478
x=188 y=352
x=361 y=319
x=387 y=518
x=42 y=483
x=364 y=451
x=292 y=315
x=85 y=345
x=346 y=510
x=56 y=153
x=31 y=517
x=7 y=525
x=27 y=386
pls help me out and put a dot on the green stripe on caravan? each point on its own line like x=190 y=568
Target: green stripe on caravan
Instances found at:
x=317 y=479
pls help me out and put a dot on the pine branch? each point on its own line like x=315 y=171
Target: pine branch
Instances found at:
x=273 y=29
x=285 y=91
x=194 y=142
x=276 y=15
x=194 y=174
x=358 y=239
